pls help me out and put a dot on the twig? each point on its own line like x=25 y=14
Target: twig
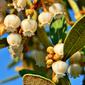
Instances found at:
x=43 y=5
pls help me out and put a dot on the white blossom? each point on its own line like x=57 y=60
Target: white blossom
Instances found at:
x=12 y=22
x=14 y=39
x=29 y=26
x=59 y=68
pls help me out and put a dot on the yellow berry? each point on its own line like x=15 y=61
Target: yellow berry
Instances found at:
x=56 y=57
x=49 y=62
x=50 y=49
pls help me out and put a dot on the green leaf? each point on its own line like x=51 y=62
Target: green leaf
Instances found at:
x=43 y=37
x=33 y=79
x=3 y=43
x=57 y=29
x=9 y=79
x=38 y=71
x=64 y=81
x=75 y=39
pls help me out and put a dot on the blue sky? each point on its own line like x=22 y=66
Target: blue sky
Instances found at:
x=5 y=59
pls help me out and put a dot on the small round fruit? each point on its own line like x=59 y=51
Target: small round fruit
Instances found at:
x=49 y=62
x=49 y=56
x=14 y=39
x=12 y=22
x=56 y=57
x=50 y=50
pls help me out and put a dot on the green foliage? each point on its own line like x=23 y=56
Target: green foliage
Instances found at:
x=75 y=39
x=43 y=37
x=57 y=29
x=64 y=81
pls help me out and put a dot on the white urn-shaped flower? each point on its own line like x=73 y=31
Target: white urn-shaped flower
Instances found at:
x=29 y=27
x=74 y=70
x=59 y=68
x=12 y=22
x=44 y=18
x=14 y=39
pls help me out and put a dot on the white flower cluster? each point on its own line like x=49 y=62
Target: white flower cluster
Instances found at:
x=46 y=17
x=75 y=69
x=12 y=22
x=59 y=67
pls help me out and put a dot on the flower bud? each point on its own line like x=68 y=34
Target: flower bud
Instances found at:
x=45 y=18
x=59 y=68
x=14 y=39
x=12 y=22
x=59 y=49
x=28 y=26
x=49 y=56
x=56 y=57
x=50 y=50
x=49 y=62
x=75 y=70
